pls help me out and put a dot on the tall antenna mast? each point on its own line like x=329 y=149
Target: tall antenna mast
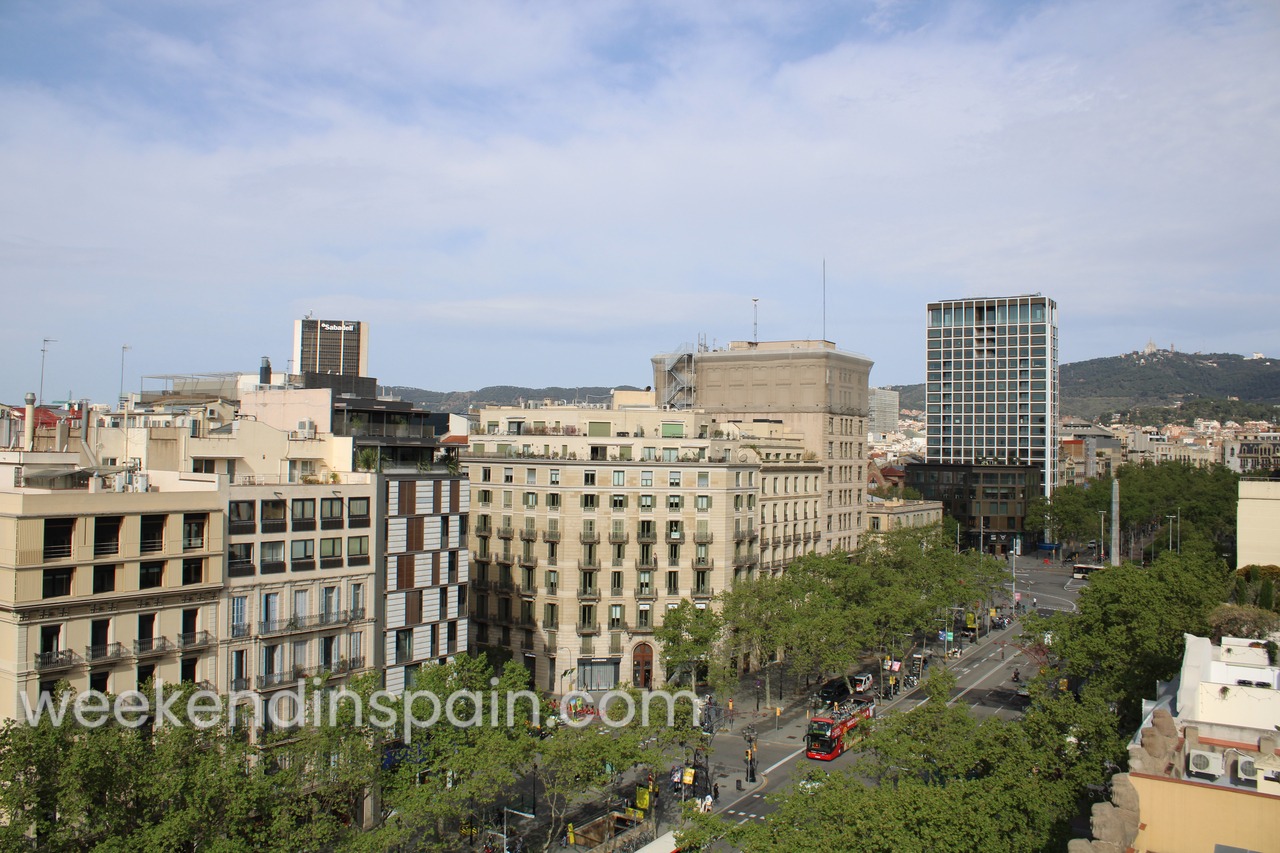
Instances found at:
x=44 y=350
x=755 y=321
x=824 y=299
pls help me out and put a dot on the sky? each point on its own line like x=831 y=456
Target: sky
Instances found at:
x=546 y=193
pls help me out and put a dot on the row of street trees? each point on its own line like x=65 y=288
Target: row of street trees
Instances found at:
x=162 y=787
x=826 y=613
x=936 y=778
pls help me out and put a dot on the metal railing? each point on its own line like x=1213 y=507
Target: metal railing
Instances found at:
x=104 y=651
x=194 y=639
x=56 y=659
x=152 y=646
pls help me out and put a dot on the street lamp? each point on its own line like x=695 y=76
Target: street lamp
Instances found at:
x=1179 y=530
x=1171 y=518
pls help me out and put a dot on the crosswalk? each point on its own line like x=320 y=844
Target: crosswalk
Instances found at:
x=744 y=813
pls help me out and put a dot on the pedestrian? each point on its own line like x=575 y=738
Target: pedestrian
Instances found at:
x=1002 y=653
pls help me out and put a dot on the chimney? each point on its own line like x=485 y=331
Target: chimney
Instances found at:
x=264 y=372
x=29 y=426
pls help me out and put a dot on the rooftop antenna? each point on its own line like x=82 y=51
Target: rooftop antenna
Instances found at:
x=824 y=299
x=755 y=322
x=124 y=348
x=44 y=350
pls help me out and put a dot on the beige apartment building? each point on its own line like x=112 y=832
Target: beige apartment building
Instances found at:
x=892 y=514
x=809 y=389
x=591 y=521
x=110 y=577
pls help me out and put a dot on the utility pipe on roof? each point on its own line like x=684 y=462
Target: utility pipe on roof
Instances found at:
x=29 y=426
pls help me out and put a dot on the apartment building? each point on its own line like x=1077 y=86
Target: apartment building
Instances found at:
x=895 y=513
x=110 y=577
x=809 y=389
x=885 y=406
x=591 y=521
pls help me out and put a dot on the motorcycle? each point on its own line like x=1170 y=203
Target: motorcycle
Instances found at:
x=1017 y=676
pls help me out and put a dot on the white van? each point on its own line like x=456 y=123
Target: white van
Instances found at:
x=862 y=682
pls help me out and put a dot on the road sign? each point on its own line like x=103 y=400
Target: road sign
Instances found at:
x=1017 y=596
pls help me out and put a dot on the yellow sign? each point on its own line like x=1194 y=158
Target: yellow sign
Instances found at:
x=993 y=613
x=970 y=620
x=642 y=797
x=688 y=776
x=569 y=833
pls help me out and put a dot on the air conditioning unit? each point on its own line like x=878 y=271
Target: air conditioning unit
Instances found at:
x=1206 y=763
x=1246 y=769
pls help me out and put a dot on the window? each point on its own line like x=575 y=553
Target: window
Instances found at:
x=555 y=476
x=273 y=516
x=618 y=502
x=673 y=479
x=530 y=500
x=304 y=514
x=644 y=616
x=272 y=552
x=193 y=525
x=404 y=645
x=615 y=616
x=239 y=616
x=588 y=478
x=486 y=475
x=358 y=508
x=330 y=513
x=192 y=570
x=484 y=497
x=357 y=600
x=646 y=503
x=151 y=575
x=240 y=517
x=530 y=476
x=331 y=547
x=302 y=549
x=702 y=503
x=553 y=500
x=673 y=583
x=104 y=579
x=674 y=503
x=619 y=478
x=704 y=480
x=357 y=546
x=57 y=582
x=589 y=502
x=508 y=475
x=646 y=479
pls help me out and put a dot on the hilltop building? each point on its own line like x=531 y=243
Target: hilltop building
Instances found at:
x=885 y=405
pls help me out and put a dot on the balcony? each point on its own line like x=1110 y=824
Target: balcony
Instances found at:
x=239 y=630
x=306 y=564
x=480 y=584
x=273 y=567
x=740 y=535
x=618 y=537
x=615 y=644
x=642 y=629
x=528 y=561
x=588 y=627
x=330 y=562
x=57 y=659
x=745 y=561
x=240 y=683
x=647 y=592
x=587 y=646
x=703 y=537
x=647 y=536
x=675 y=537
x=357 y=521
x=241 y=569
x=106 y=549
x=57 y=551
x=703 y=592
x=649 y=564
x=591 y=593
x=592 y=538
x=528 y=534
x=247 y=527
x=506 y=532
x=104 y=652
x=764 y=541
x=152 y=646
x=275 y=679
x=551 y=536
x=589 y=564
x=704 y=563
x=527 y=589
x=195 y=640
x=615 y=591
x=302 y=524
x=484 y=531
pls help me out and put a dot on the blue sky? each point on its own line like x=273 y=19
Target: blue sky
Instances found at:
x=549 y=193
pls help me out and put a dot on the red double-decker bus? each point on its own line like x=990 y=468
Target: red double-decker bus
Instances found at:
x=830 y=734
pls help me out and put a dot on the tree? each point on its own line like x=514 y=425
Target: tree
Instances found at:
x=1242 y=620
x=688 y=637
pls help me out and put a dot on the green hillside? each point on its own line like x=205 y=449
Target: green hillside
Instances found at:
x=1151 y=382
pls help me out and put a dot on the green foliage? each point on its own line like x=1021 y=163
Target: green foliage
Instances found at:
x=1242 y=620
x=1267 y=594
x=1127 y=633
x=688 y=635
x=369 y=459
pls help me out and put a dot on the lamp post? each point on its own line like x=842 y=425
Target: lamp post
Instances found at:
x=1179 y=530
x=1171 y=518
x=44 y=351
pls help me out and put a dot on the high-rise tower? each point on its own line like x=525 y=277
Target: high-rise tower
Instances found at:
x=992 y=383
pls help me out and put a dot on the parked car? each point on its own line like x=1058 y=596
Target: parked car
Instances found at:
x=862 y=682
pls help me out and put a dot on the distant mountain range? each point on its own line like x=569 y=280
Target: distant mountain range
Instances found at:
x=1138 y=383
x=1135 y=384
x=460 y=402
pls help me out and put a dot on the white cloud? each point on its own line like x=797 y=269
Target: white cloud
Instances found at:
x=548 y=194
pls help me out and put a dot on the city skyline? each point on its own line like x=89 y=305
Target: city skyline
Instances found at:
x=560 y=192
